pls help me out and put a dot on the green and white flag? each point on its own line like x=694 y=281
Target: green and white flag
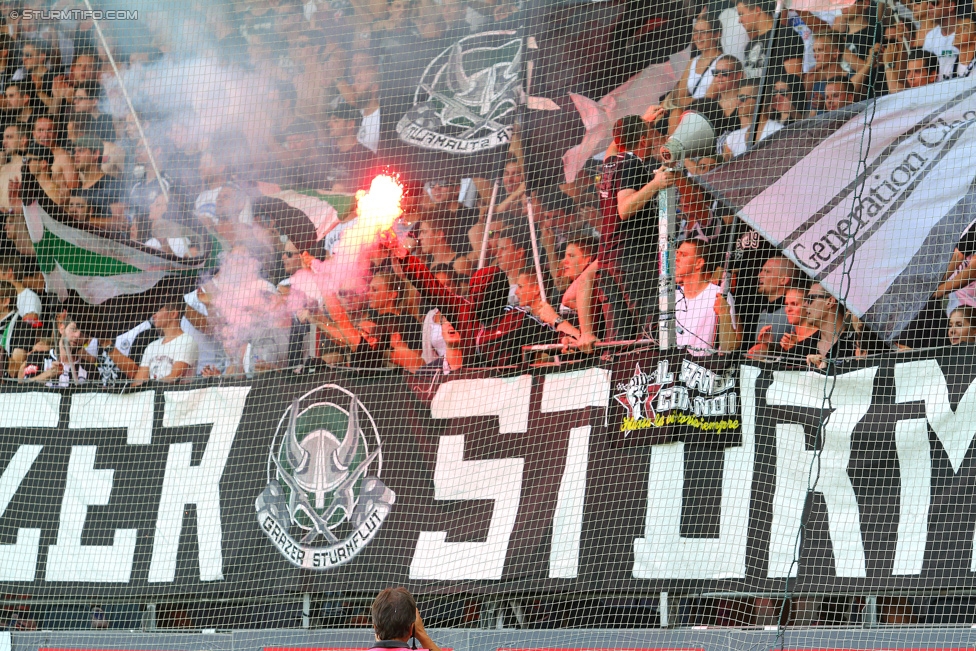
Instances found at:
x=97 y=266
x=324 y=209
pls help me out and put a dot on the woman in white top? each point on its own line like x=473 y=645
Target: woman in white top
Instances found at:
x=736 y=142
x=699 y=74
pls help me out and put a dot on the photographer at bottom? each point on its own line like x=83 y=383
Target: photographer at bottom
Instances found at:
x=396 y=619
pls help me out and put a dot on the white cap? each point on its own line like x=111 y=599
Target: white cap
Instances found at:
x=27 y=302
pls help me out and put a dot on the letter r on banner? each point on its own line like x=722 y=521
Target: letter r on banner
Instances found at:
x=184 y=483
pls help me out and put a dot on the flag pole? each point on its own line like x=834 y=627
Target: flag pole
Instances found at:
x=752 y=136
x=667 y=229
x=483 y=255
x=128 y=101
x=529 y=213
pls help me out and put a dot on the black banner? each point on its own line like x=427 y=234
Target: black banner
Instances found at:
x=350 y=483
x=676 y=397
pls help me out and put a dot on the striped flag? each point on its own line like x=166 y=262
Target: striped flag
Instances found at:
x=97 y=265
x=878 y=237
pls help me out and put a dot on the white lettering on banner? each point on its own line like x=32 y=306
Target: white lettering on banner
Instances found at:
x=924 y=381
x=800 y=471
x=18 y=562
x=183 y=483
x=921 y=138
x=915 y=475
x=663 y=553
x=132 y=412
x=507 y=398
x=567 y=392
x=34 y=409
x=69 y=560
x=456 y=479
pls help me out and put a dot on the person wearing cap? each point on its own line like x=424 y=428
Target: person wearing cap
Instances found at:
x=349 y=162
x=396 y=619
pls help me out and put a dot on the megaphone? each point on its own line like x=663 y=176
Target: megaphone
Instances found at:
x=693 y=137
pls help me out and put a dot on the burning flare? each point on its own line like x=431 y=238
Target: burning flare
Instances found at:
x=376 y=210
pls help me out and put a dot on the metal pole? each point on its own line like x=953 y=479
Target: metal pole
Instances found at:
x=125 y=94
x=667 y=234
x=306 y=610
x=869 y=618
x=752 y=135
x=484 y=238
x=535 y=249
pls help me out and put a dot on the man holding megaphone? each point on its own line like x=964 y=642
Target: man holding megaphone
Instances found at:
x=632 y=177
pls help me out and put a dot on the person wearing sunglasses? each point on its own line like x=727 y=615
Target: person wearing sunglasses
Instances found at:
x=719 y=106
x=833 y=339
x=700 y=73
x=737 y=142
x=721 y=97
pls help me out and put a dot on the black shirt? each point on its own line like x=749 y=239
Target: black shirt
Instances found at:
x=103 y=194
x=349 y=168
x=967 y=244
x=631 y=242
x=372 y=349
x=844 y=347
x=859 y=44
x=789 y=45
x=716 y=116
x=16 y=333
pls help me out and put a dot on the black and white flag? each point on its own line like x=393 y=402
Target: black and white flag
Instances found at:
x=878 y=236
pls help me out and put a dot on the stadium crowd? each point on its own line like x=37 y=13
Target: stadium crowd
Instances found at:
x=432 y=301
x=434 y=298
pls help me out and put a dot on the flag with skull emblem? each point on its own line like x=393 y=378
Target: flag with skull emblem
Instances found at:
x=323 y=488
x=459 y=120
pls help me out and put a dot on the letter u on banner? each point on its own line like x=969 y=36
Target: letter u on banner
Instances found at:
x=663 y=553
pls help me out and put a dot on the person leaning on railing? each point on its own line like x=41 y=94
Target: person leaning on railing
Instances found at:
x=490 y=334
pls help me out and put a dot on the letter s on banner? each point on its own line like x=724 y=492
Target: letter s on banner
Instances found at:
x=490 y=479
